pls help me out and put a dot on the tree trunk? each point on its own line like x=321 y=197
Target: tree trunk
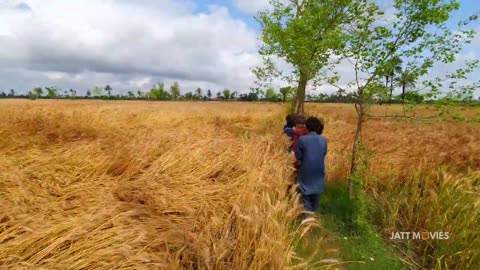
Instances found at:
x=403 y=91
x=300 y=97
x=391 y=88
x=356 y=145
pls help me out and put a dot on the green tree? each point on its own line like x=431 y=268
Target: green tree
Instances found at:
x=406 y=81
x=209 y=94
x=175 y=90
x=219 y=95
x=391 y=69
x=287 y=93
x=341 y=95
x=89 y=94
x=373 y=45
x=52 y=92
x=412 y=96
x=304 y=34
x=189 y=95
x=271 y=95
x=37 y=91
x=32 y=95
x=12 y=93
x=131 y=95
x=226 y=94
x=158 y=92
x=234 y=95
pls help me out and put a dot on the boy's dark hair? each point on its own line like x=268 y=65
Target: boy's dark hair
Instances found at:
x=314 y=124
x=290 y=121
x=299 y=119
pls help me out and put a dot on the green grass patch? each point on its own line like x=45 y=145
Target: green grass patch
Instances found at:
x=359 y=244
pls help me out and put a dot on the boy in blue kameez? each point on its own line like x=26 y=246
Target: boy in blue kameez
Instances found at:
x=288 y=129
x=310 y=152
x=289 y=125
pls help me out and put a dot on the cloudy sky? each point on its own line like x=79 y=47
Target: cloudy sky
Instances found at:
x=133 y=44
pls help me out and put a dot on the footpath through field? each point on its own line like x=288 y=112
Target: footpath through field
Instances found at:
x=339 y=242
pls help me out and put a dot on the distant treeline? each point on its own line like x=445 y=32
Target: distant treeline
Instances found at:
x=158 y=92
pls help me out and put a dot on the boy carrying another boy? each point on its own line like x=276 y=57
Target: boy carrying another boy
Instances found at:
x=300 y=130
x=310 y=152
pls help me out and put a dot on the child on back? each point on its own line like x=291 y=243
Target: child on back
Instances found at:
x=300 y=130
x=310 y=151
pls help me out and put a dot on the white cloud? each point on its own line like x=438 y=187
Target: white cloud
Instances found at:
x=251 y=6
x=55 y=75
x=124 y=41
x=133 y=44
x=140 y=82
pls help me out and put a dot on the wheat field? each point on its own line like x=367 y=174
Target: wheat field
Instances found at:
x=166 y=185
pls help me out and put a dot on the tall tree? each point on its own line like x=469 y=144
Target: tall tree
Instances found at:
x=234 y=95
x=52 y=92
x=175 y=90
x=406 y=81
x=131 y=95
x=226 y=94
x=304 y=33
x=271 y=95
x=209 y=94
x=392 y=69
x=37 y=91
x=389 y=72
x=73 y=93
x=341 y=94
x=252 y=95
x=108 y=89
x=89 y=94
x=287 y=92
x=372 y=46
x=198 y=92
x=32 y=95
x=158 y=92
x=189 y=95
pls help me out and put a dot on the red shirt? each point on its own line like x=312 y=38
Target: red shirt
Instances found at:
x=296 y=135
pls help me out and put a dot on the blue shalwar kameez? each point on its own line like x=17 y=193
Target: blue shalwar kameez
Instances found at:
x=311 y=150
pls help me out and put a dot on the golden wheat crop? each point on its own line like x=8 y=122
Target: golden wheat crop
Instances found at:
x=142 y=185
